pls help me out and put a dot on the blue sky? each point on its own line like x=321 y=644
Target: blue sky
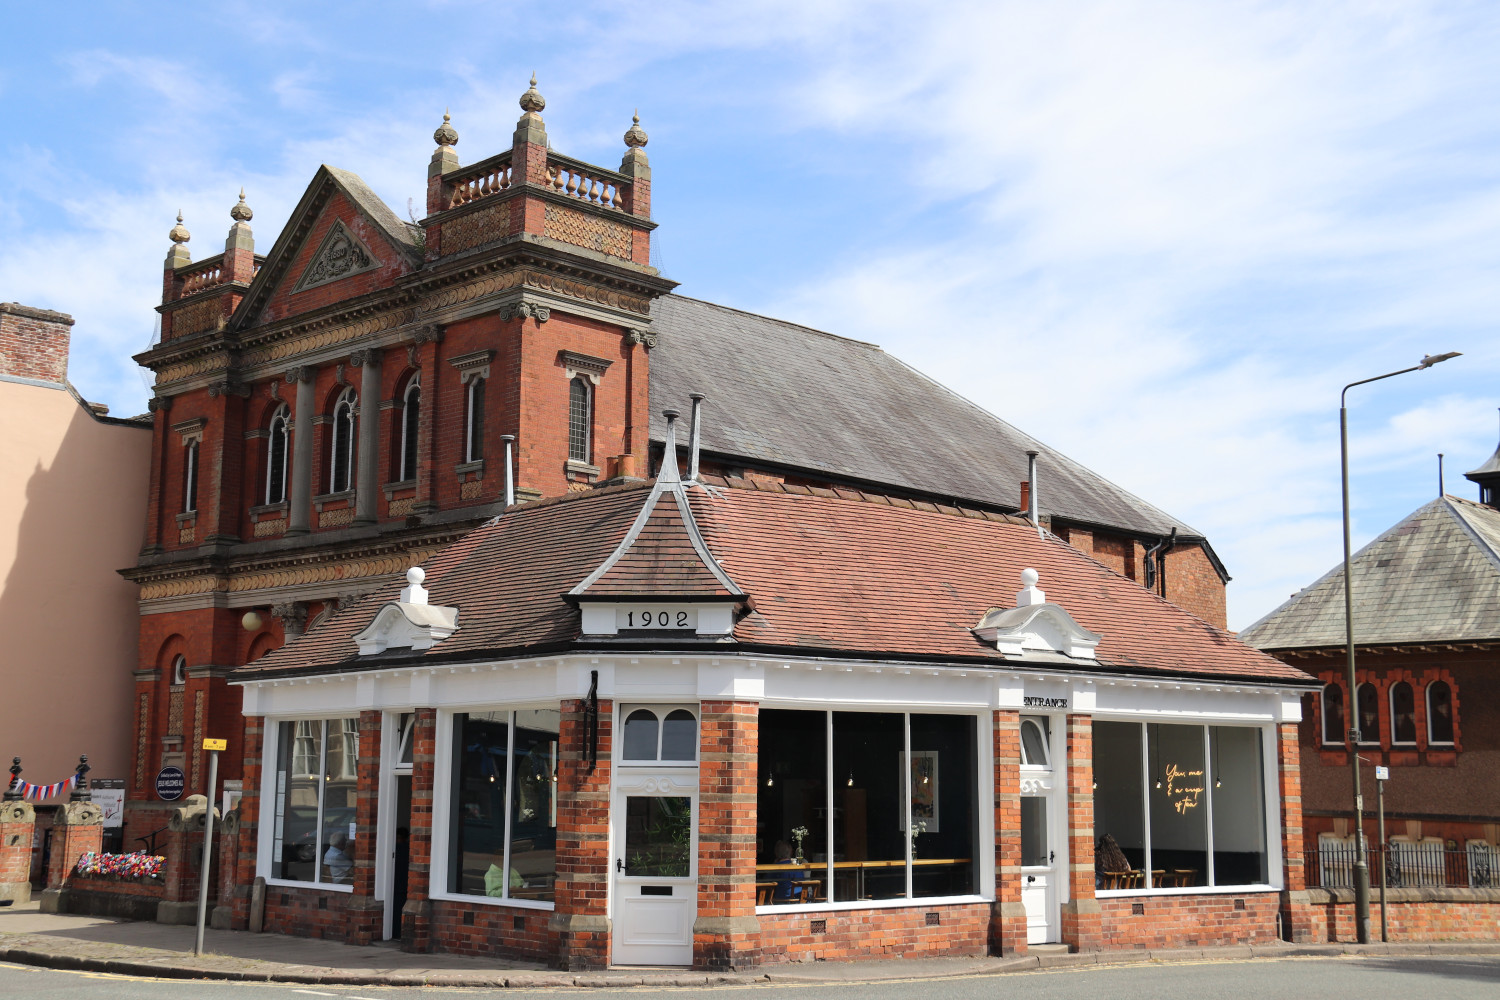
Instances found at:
x=1158 y=236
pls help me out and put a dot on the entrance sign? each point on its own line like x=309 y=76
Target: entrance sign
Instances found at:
x=1033 y=701
x=170 y=782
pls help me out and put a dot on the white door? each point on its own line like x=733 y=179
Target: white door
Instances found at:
x=655 y=869
x=1038 y=871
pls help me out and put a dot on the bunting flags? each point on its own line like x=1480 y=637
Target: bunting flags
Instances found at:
x=38 y=792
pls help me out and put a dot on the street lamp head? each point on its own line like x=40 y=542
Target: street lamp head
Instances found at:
x=1428 y=360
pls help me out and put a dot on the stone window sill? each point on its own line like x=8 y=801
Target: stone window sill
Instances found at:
x=463 y=468
x=187 y=517
x=583 y=468
x=405 y=484
x=269 y=511
x=344 y=496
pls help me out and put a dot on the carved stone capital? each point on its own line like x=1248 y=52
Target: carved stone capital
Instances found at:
x=228 y=387
x=646 y=338
x=430 y=332
x=293 y=616
x=162 y=403
x=229 y=826
x=365 y=356
x=301 y=373
x=525 y=310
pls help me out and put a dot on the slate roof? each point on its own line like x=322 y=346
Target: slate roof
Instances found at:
x=788 y=395
x=827 y=573
x=1432 y=577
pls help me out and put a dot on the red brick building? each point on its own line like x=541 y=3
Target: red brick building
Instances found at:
x=1426 y=628
x=731 y=722
x=362 y=395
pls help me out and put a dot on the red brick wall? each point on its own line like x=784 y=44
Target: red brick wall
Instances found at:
x=484 y=931
x=1081 y=923
x=1194 y=585
x=307 y=913
x=15 y=850
x=1469 y=915
x=249 y=838
x=1189 y=921
x=728 y=747
x=34 y=342
x=416 y=919
x=904 y=932
x=583 y=864
x=1007 y=930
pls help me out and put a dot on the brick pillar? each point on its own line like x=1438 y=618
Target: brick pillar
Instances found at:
x=1082 y=922
x=184 y=854
x=416 y=916
x=1298 y=915
x=1007 y=916
x=77 y=829
x=366 y=914
x=221 y=466
x=17 y=831
x=427 y=421
x=246 y=855
x=579 y=928
x=726 y=934
x=226 y=871
x=161 y=408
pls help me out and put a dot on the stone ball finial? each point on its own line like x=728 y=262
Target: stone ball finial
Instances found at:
x=532 y=101
x=1029 y=577
x=241 y=212
x=636 y=137
x=446 y=134
x=415 y=576
x=179 y=233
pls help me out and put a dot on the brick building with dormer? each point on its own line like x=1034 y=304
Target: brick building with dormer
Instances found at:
x=336 y=410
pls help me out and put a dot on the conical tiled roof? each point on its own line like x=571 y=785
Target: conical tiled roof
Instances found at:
x=1433 y=577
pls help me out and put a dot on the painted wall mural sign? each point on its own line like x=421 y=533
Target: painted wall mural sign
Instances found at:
x=1184 y=788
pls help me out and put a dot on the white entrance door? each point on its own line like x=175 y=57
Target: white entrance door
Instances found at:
x=655 y=868
x=1038 y=871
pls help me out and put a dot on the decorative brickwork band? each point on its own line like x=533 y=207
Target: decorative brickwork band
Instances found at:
x=580 y=924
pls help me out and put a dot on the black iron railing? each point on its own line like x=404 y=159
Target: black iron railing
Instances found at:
x=1408 y=866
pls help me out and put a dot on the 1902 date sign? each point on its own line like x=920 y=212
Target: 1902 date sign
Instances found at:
x=170 y=782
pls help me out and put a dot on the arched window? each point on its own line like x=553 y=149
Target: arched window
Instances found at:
x=1439 y=712
x=1034 y=742
x=190 y=478
x=1369 y=714
x=341 y=453
x=649 y=736
x=1403 y=713
x=474 y=421
x=411 y=412
x=580 y=420
x=179 y=670
x=276 y=452
x=1333 y=714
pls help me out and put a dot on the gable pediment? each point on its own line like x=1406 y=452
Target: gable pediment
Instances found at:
x=404 y=625
x=1037 y=630
x=340 y=255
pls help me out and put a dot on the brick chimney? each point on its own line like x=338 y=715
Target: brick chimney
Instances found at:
x=34 y=342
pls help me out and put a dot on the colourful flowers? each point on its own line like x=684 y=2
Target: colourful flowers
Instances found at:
x=137 y=865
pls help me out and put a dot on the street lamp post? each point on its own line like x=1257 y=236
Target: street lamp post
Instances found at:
x=1361 y=863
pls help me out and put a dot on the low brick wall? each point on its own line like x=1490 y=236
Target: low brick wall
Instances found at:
x=1412 y=914
x=309 y=913
x=486 y=931
x=904 y=932
x=109 y=896
x=1187 y=921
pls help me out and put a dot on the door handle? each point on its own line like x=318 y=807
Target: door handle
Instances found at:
x=1030 y=878
x=1051 y=856
x=620 y=865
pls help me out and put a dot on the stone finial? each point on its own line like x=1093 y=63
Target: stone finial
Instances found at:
x=1030 y=593
x=532 y=101
x=636 y=137
x=81 y=791
x=241 y=211
x=179 y=233
x=414 y=592
x=15 y=776
x=446 y=134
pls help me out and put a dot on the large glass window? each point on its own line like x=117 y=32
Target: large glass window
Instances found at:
x=1185 y=805
x=897 y=819
x=503 y=825
x=314 y=800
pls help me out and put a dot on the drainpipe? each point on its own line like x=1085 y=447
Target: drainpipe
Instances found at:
x=1156 y=577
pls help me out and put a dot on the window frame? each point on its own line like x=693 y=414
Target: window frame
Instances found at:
x=283 y=434
x=1343 y=734
x=474 y=420
x=179 y=669
x=190 y=477
x=411 y=409
x=1432 y=741
x=269 y=817
x=1367 y=739
x=586 y=431
x=347 y=400
x=1396 y=740
x=1270 y=808
x=984 y=833
x=661 y=710
x=442 y=803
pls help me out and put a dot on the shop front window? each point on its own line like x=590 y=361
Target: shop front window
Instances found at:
x=314 y=801
x=1185 y=805
x=855 y=806
x=503 y=824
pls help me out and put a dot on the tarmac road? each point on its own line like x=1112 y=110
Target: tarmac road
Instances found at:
x=1349 y=978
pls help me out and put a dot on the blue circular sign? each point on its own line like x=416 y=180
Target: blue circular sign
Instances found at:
x=170 y=783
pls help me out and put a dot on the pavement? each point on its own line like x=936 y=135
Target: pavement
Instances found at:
x=135 y=948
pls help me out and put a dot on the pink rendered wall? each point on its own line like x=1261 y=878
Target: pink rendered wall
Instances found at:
x=72 y=503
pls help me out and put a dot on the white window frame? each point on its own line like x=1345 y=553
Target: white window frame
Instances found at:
x=414 y=386
x=272 y=809
x=348 y=398
x=1341 y=737
x=588 y=419
x=179 y=670
x=469 y=417
x=190 y=478
x=282 y=414
x=984 y=834
x=661 y=710
x=442 y=805
x=1452 y=716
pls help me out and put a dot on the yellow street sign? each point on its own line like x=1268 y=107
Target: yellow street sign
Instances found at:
x=216 y=744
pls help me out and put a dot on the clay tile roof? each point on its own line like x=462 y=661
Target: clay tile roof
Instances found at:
x=659 y=556
x=827 y=575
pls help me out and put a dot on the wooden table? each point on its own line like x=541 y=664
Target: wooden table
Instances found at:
x=859 y=868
